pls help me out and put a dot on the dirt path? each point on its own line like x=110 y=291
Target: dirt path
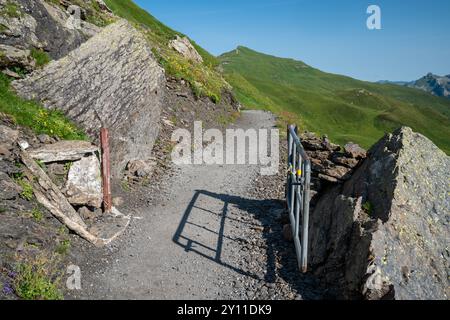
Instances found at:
x=205 y=242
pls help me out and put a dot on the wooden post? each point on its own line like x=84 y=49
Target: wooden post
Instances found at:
x=106 y=170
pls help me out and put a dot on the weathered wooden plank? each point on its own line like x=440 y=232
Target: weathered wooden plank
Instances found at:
x=106 y=170
x=49 y=195
x=63 y=151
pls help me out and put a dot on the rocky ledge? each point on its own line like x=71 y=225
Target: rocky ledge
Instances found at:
x=330 y=163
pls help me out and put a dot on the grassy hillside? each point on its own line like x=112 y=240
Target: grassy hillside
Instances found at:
x=203 y=78
x=128 y=10
x=33 y=115
x=344 y=108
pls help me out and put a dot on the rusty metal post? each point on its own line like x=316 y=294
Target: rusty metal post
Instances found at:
x=106 y=170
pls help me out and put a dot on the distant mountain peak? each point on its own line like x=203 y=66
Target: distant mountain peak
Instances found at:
x=431 y=83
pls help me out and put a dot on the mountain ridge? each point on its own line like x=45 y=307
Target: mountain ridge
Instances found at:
x=434 y=84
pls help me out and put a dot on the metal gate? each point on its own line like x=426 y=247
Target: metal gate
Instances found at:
x=298 y=195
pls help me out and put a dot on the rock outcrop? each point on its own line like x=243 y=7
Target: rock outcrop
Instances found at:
x=383 y=234
x=431 y=83
x=436 y=85
x=184 y=47
x=84 y=183
x=38 y=24
x=112 y=81
x=329 y=162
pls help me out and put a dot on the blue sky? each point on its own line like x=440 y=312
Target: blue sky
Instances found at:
x=330 y=34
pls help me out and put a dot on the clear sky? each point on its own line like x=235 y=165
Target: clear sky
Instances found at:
x=327 y=34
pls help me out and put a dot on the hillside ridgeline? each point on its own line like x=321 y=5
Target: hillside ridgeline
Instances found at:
x=343 y=108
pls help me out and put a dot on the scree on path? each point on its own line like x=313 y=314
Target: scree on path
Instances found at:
x=190 y=246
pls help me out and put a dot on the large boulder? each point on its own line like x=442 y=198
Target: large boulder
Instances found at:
x=384 y=233
x=184 y=47
x=113 y=81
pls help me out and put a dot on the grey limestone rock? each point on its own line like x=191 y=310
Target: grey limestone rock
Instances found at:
x=384 y=233
x=41 y=25
x=112 y=81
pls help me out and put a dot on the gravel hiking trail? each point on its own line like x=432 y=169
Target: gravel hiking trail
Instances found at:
x=195 y=245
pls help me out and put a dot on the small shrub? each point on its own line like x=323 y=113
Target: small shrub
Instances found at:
x=27 y=189
x=35 y=280
x=63 y=247
x=40 y=56
x=37 y=214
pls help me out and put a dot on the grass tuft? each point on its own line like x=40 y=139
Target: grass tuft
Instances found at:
x=11 y=10
x=40 y=56
x=36 y=279
x=27 y=189
x=63 y=247
x=31 y=114
x=37 y=214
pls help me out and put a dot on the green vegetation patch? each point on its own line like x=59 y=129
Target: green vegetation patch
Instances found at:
x=63 y=247
x=36 y=279
x=368 y=207
x=11 y=10
x=3 y=28
x=31 y=114
x=204 y=81
x=40 y=56
x=203 y=78
x=37 y=214
x=27 y=189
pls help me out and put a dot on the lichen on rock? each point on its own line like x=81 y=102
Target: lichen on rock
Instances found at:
x=383 y=234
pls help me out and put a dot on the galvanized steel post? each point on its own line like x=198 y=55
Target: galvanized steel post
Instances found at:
x=298 y=195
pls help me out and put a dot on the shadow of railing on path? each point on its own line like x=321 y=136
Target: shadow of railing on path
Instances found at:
x=275 y=244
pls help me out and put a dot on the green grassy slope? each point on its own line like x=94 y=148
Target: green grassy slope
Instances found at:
x=203 y=78
x=130 y=11
x=33 y=115
x=344 y=108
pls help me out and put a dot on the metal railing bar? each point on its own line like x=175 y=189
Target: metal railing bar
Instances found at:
x=298 y=195
x=305 y=224
x=298 y=143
